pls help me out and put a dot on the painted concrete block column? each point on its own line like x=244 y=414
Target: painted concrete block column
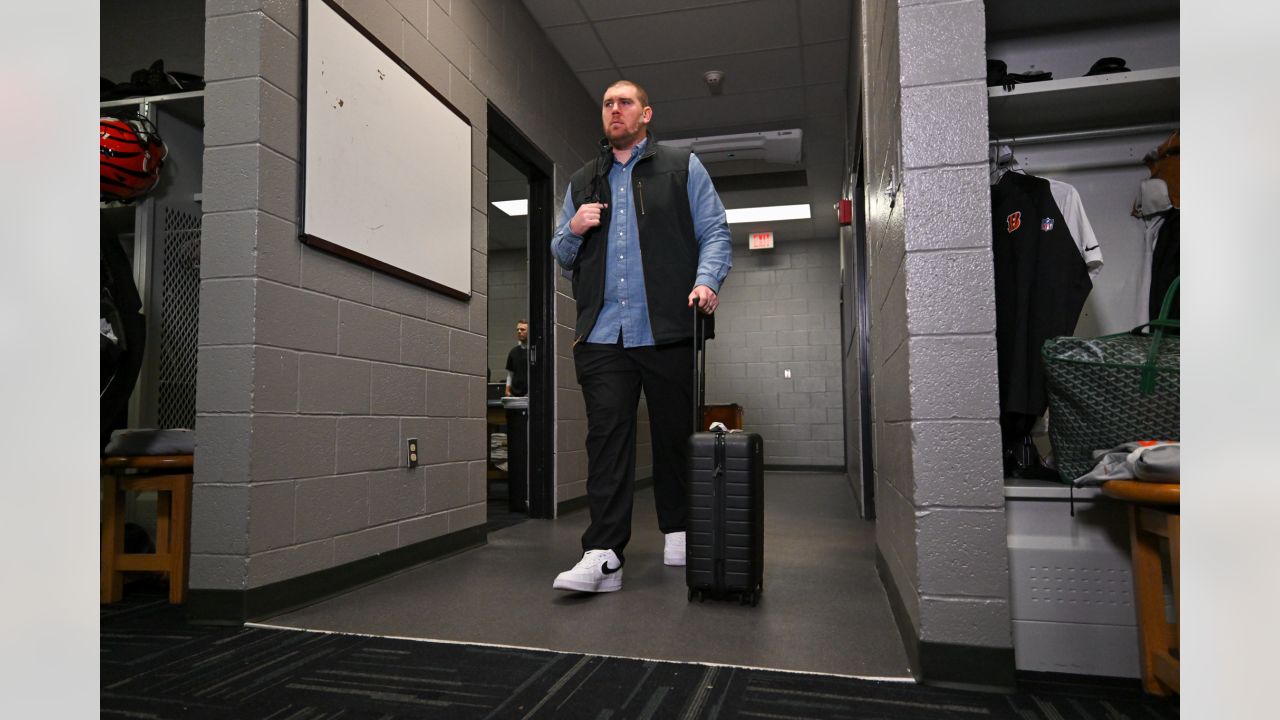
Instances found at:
x=963 y=570
x=941 y=529
x=249 y=244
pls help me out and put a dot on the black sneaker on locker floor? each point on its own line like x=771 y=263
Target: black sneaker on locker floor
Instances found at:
x=1024 y=462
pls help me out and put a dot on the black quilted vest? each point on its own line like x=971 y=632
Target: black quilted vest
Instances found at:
x=668 y=247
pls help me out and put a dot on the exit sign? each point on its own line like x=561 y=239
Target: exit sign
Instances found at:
x=760 y=241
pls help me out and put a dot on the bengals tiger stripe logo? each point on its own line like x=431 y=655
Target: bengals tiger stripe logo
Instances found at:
x=1014 y=221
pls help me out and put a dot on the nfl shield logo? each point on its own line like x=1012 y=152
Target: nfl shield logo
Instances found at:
x=1046 y=224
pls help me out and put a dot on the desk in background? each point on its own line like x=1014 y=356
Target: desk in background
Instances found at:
x=496 y=419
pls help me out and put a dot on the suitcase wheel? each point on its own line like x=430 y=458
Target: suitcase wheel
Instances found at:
x=690 y=594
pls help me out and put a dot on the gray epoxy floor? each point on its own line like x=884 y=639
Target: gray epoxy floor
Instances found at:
x=823 y=608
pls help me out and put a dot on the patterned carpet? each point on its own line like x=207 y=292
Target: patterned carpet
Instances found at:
x=154 y=665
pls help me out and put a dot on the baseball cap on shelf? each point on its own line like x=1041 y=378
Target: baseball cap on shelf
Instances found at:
x=1107 y=65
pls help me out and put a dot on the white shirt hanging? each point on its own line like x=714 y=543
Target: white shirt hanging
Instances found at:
x=1069 y=203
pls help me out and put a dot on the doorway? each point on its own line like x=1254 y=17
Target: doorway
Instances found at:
x=520 y=475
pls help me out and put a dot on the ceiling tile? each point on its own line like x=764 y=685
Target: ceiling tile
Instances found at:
x=578 y=45
x=826 y=62
x=744 y=73
x=823 y=20
x=595 y=81
x=825 y=99
x=702 y=32
x=610 y=9
x=550 y=13
x=677 y=118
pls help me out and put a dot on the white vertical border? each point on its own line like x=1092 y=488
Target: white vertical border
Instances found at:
x=1230 y=386
x=49 y=295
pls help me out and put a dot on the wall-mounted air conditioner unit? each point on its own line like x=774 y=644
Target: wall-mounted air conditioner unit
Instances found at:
x=773 y=146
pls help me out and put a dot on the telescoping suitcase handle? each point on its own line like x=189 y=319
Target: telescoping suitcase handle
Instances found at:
x=700 y=337
x=699 y=367
x=718 y=457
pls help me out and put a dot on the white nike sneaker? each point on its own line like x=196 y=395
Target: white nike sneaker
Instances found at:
x=673 y=551
x=597 y=571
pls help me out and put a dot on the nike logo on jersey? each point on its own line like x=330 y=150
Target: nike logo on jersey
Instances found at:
x=1014 y=221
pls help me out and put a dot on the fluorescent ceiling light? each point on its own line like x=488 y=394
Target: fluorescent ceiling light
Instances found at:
x=765 y=214
x=514 y=208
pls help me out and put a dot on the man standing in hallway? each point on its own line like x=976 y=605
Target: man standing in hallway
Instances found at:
x=644 y=236
x=518 y=363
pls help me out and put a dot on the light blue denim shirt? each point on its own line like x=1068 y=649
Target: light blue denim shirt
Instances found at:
x=626 y=308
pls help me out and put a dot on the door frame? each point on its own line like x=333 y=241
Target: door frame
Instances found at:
x=507 y=140
x=863 y=335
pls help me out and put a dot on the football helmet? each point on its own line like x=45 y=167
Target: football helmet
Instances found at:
x=131 y=156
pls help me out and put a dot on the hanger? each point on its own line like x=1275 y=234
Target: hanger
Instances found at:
x=1000 y=160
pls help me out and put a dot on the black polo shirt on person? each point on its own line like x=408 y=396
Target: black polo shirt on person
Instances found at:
x=518 y=366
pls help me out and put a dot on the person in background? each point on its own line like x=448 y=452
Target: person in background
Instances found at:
x=644 y=238
x=518 y=363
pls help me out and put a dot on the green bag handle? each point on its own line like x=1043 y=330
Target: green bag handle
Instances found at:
x=1162 y=321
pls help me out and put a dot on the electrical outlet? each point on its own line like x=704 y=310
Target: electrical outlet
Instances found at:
x=787 y=373
x=413 y=452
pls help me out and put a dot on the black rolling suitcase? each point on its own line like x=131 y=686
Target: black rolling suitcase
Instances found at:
x=724 y=540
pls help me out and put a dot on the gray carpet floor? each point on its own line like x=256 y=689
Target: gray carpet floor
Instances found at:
x=156 y=665
x=823 y=610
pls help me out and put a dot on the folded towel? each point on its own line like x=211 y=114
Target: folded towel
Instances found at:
x=1151 y=461
x=151 y=441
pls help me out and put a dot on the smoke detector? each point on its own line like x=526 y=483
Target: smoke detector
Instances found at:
x=714 y=79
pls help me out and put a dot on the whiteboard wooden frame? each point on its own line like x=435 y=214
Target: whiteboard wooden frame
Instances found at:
x=386 y=177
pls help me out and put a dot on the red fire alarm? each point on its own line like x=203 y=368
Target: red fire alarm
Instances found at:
x=844 y=212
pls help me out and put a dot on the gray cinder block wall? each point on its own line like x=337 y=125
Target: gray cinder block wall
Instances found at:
x=508 y=304
x=939 y=484
x=313 y=369
x=779 y=310
x=571 y=410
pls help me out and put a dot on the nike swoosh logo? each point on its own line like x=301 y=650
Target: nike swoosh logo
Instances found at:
x=604 y=567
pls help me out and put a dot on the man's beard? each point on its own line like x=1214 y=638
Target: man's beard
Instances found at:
x=626 y=138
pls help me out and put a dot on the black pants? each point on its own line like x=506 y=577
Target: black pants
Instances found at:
x=612 y=377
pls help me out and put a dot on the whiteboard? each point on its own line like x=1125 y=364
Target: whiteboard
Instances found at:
x=387 y=160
